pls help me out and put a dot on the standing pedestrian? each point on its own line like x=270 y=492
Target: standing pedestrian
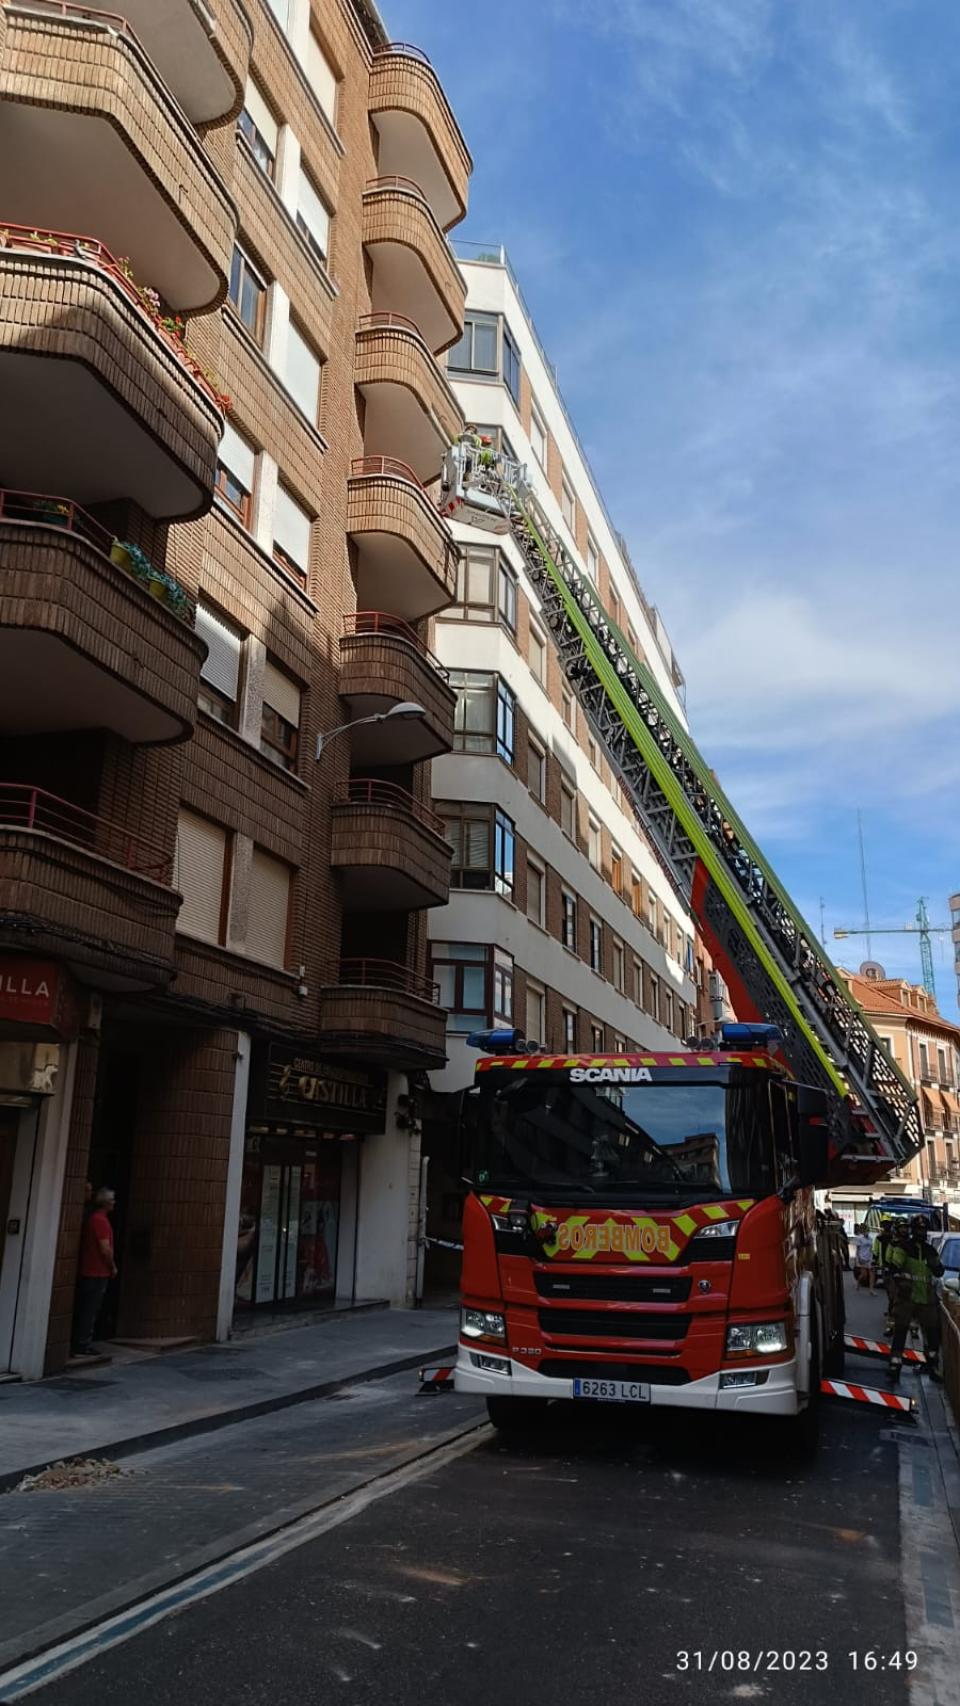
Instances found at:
x=864 y=1266
x=97 y=1269
x=913 y=1267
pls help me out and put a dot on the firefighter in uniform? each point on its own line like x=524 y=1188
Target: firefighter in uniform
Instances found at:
x=913 y=1266
x=881 y=1253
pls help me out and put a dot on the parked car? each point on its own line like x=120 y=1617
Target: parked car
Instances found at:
x=948 y=1250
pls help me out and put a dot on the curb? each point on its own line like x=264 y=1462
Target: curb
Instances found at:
x=211 y=1423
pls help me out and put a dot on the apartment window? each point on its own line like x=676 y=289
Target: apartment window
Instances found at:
x=469 y=829
x=567 y=710
x=596 y=945
x=593 y=560
x=536 y=1015
x=498 y=441
x=511 y=364
x=313 y=216
x=618 y=966
x=616 y=870
x=486 y=587
x=569 y=1030
x=568 y=505
x=258 y=125
x=569 y=921
x=200 y=874
x=620 y=1045
x=321 y=77
x=536 y=770
x=280 y=717
x=475 y=717
x=236 y=461
x=302 y=373
x=596 y=1039
x=652 y=914
x=267 y=928
x=506 y=718
x=537 y=655
x=638 y=982
x=502 y=988
x=504 y=844
x=614 y=605
x=220 y=671
x=538 y=439
x=291 y=534
x=592 y=753
x=593 y=842
x=632 y=641
x=476 y=351
x=636 y=893
x=462 y=970
x=536 y=891
x=655 y=998
x=942 y=1065
x=924 y=1061
x=248 y=293
x=668 y=1010
x=688 y=956
x=568 y=811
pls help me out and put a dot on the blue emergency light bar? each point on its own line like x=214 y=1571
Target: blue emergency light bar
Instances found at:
x=735 y=1035
x=503 y=1041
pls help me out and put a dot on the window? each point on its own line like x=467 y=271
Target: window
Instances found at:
x=504 y=839
x=486 y=588
x=668 y=1010
x=568 y=505
x=616 y=870
x=570 y=1030
x=502 y=988
x=655 y=998
x=593 y=560
x=511 y=364
x=614 y=605
x=568 y=811
x=476 y=351
x=538 y=439
x=220 y=671
x=596 y=1039
x=269 y=909
x=618 y=966
x=632 y=641
x=498 y=441
x=636 y=893
x=200 y=870
x=248 y=293
x=258 y=125
x=507 y=595
x=652 y=913
x=462 y=971
x=592 y=754
x=468 y=828
x=291 y=534
x=688 y=956
x=536 y=770
x=924 y=1061
x=942 y=1065
x=638 y=982
x=302 y=373
x=506 y=714
x=593 y=842
x=280 y=717
x=569 y=921
x=474 y=722
x=313 y=216
x=536 y=1027
x=321 y=77
x=236 y=460
x=567 y=710
x=537 y=655
x=620 y=1045
x=596 y=945
x=536 y=891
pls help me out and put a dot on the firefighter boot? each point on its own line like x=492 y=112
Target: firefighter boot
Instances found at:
x=895 y=1366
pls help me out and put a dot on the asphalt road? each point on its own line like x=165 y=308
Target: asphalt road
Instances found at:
x=584 y=1566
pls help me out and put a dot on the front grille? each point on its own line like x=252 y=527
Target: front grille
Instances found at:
x=570 y=1368
x=612 y=1324
x=613 y=1288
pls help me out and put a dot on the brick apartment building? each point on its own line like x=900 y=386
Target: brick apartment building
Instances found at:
x=213 y=979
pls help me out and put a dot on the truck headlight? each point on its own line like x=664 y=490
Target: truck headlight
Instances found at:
x=483 y=1324
x=757 y=1338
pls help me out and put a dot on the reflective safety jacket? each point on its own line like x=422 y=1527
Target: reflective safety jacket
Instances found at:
x=917 y=1263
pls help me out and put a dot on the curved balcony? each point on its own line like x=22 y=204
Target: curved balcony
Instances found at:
x=417 y=131
x=414 y=271
x=87 y=890
x=407 y=395
x=108 y=652
x=99 y=399
x=390 y=849
x=384 y=662
x=385 y=1013
x=406 y=555
x=202 y=52
x=90 y=138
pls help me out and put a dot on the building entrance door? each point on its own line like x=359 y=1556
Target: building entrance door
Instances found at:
x=15 y=1178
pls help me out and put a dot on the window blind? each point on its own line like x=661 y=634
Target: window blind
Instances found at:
x=291 y=529
x=281 y=694
x=313 y=212
x=321 y=77
x=237 y=456
x=222 y=664
x=269 y=909
x=200 y=863
x=262 y=116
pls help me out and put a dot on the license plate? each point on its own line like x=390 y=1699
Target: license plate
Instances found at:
x=613 y=1391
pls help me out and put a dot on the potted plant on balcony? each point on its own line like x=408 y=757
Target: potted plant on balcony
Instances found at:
x=131 y=557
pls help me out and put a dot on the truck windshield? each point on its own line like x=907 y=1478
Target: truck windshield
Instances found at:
x=626 y=1140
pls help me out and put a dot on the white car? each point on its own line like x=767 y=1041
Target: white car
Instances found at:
x=948 y=1249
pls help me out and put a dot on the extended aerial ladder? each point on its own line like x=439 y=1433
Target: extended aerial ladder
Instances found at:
x=773 y=964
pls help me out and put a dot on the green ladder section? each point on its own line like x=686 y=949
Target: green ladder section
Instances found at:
x=711 y=860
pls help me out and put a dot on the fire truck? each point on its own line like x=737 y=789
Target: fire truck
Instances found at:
x=643 y=1228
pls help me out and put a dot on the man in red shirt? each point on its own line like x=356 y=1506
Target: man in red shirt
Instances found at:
x=97 y=1269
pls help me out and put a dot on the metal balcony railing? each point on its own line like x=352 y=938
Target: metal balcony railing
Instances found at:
x=395 y=628
x=396 y=181
x=83 y=14
x=36 y=811
x=369 y=791
x=388 y=975
x=43 y=509
x=397 y=322
x=402 y=50
x=364 y=467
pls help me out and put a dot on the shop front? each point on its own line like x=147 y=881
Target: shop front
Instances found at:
x=298 y=1200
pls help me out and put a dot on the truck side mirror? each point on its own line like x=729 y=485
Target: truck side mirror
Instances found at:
x=813 y=1130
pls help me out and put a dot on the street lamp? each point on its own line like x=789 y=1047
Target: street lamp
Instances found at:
x=404 y=709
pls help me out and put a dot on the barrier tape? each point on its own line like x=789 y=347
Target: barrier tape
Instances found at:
x=442 y=1243
x=880 y=1348
x=868 y=1395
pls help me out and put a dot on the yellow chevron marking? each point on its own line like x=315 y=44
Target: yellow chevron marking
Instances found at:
x=686 y=1223
x=716 y=1211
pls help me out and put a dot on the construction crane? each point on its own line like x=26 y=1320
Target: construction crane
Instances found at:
x=922 y=928
x=770 y=959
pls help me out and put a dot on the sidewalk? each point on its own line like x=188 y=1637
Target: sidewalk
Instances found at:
x=121 y=1407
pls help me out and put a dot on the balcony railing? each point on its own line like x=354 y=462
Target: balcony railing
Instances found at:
x=372 y=466
x=381 y=622
x=28 y=240
x=34 y=810
x=42 y=509
x=368 y=791
x=401 y=322
x=404 y=50
x=388 y=975
x=396 y=181
x=86 y=14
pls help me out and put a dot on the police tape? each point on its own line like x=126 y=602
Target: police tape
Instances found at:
x=868 y=1395
x=442 y=1243
x=880 y=1348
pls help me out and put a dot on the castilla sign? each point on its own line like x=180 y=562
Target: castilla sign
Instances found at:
x=36 y=992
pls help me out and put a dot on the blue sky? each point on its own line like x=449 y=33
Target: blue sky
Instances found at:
x=735 y=222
